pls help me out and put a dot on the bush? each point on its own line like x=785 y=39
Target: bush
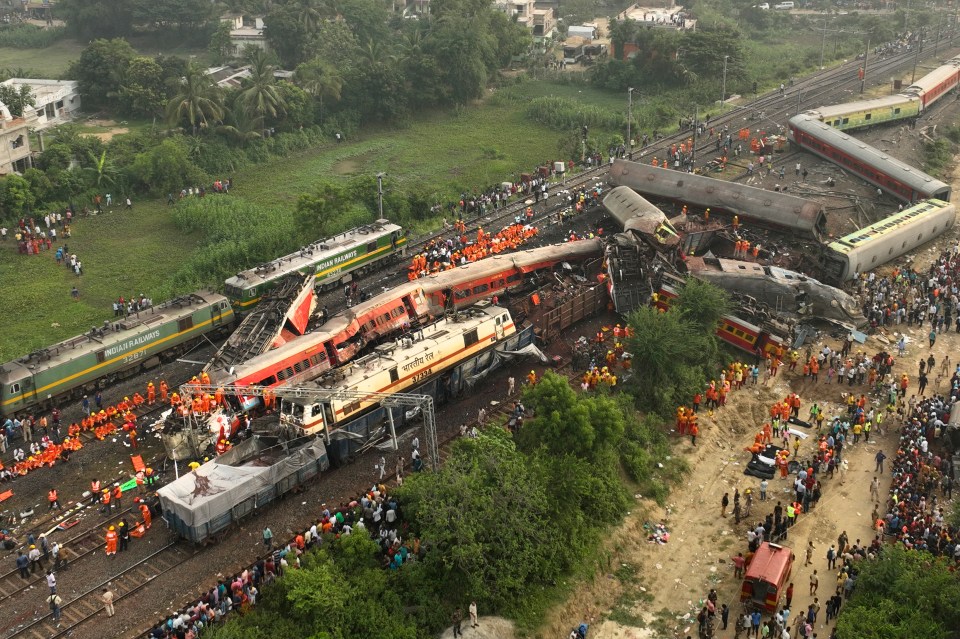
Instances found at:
x=28 y=36
x=235 y=235
x=564 y=114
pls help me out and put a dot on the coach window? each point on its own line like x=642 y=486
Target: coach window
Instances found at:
x=470 y=338
x=897 y=110
x=14 y=389
x=516 y=277
x=873 y=259
x=919 y=236
x=867 y=116
x=845 y=120
x=904 y=245
x=890 y=252
x=352 y=407
x=483 y=288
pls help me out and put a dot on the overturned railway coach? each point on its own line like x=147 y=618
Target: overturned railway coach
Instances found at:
x=767 y=208
x=888 y=239
x=876 y=167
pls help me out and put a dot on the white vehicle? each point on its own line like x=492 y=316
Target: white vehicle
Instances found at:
x=784 y=5
x=765 y=6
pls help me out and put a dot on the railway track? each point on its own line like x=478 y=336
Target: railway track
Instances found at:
x=83 y=544
x=84 y=607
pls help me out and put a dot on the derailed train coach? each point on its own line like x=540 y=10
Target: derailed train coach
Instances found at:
x=867 y=248
x=442 y=360
x=873 y=165
x=763 y=207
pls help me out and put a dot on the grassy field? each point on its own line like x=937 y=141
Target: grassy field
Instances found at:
x=447 y=153
x=51 y=62
x=123 y=253
x=131 y=253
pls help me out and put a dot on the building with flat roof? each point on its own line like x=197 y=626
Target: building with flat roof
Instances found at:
x=57 y=101
x=14 y=141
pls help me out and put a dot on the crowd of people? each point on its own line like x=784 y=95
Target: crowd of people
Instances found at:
x=440 y=255
x=914 y=298
x=376 y=513
x=922 y=480
x=32 y=239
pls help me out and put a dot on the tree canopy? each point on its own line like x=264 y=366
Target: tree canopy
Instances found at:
x=903 y=594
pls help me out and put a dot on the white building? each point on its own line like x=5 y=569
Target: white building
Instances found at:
x=540 y=22
x=14 y=141
x=245 y=31
x=57 y=101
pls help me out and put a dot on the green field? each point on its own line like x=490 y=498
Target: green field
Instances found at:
x=131 y=253
x=51 y=62
x=123 y=253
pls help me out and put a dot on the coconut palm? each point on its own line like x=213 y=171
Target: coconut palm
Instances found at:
x=319 y=79
x=198 y=100
x=259 y=93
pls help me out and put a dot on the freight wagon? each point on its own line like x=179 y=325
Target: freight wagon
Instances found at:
x=203 y=504
x=120 y=348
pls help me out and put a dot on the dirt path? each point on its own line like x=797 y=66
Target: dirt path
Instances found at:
x=653 y=590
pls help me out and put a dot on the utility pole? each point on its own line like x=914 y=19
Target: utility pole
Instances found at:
x=866 y=57
x=916 y=58
x=823 y=41
x=380 y=193
x=723 y=87
x=629 y=121
x=696 y=127
x=799 y=93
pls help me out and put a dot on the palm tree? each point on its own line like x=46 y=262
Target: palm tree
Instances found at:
x=260 y=95
x=198 y=100
x=319 y=79
x=101 y=172
x=239 y=125
x=312 y=13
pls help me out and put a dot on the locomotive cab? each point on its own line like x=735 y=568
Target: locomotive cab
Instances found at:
x=305 y=415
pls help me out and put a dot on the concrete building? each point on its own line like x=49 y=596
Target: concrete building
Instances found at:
x=245 y=31
x=57 y=101
x=14 y=141
x=540 y=22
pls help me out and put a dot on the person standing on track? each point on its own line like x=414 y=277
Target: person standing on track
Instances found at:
x=54 y=500
x=54 y=600
x=117 y=496
x=112 y=542
x=107 y=598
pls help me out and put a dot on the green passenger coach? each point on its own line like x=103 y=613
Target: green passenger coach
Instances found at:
x=330 y=260
x=120 y=348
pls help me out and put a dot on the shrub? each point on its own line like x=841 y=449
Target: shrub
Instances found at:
x=28 y=36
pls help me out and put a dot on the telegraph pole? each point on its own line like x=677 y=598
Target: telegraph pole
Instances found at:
x=696 y=127
x=380 y=193
x=866 y=57
x=823 y=41
x=629 y=121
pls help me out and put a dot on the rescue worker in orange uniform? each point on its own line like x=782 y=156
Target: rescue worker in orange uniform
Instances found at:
x=164 y=389
x=145 y=512
x=105 y=500
x=117 y=496
x=95 y=492
x=54 y=501
x=111 y=541
x=137 y=399
x=151 y=394
x=532 y=378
